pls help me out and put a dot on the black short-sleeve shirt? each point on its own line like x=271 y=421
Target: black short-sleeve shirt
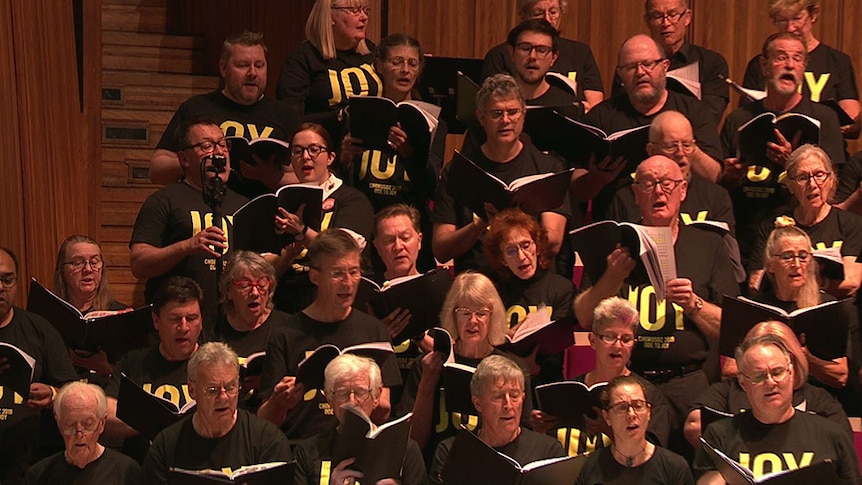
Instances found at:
x=112 y=467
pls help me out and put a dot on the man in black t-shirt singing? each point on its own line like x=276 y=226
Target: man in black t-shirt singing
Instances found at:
x=240 y=109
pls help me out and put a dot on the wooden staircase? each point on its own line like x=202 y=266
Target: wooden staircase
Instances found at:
x=146 y=75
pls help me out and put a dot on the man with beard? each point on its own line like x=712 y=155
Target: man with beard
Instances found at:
x=642 y=67
x=668 y=22
x=755 y=189
x=241 y=109
x=534 y=47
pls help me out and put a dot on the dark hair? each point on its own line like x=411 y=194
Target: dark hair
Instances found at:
x=395 y=210
x=185 y=127
x=618 y=381
x=506 y=222
x=179 y=289
x=539 y=26
x=11 y=256
x=314 y=128
x=247 y=39
x=767 y=44
x=398 y=40
x=331 y=242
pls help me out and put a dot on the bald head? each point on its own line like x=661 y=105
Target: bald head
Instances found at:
x=671 y=135
x=640 y=43
x=658 y=164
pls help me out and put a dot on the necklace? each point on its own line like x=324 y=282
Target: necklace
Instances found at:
x=630 y=460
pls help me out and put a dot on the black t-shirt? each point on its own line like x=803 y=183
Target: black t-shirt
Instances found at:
x=315 y=88
x=803 y=440
x=828 y=75
x=662 y=468
x=343 y=207
x=728 y=396
x=176 y=213
x=314 y=461
x=447 y=210
x=112 y=467
x=851 y=175
x=300 y=337
x=713 y=70
x=617 y=114
x=840 y=228
x=759 y=196
x=251 y=441
x=247 y=343
x=575 y=61
x=704 y=201
x=526 y=448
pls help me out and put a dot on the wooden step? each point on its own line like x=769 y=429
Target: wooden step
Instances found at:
x=147 y=97
x=153 y=117
x=155 y=79
x=143 y=39
x=134 y=18
x=152 y=59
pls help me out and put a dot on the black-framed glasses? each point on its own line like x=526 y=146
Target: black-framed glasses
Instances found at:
x=296 y=151
x=820 y=177
x=658 y=18
x=87 y=426
x=610 y=338
x=777 y=374
x=667 y=185
x=77 y=265
x=513 y=250
x=541 y=50
x=356 y=11
x=512 y=113
x=343 y=395
x=637 y=405
x=231 y=389
x=8 y=280
x=788 y=257
x=207 y=146
x=633 y=66
x=686 y=147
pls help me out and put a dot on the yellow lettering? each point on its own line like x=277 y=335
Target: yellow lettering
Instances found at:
x=763 y=459
x=327 y=220
x=376 y=162
x=17 y=398
x=816 y=85
x=757 y=173
x=822 y=244
x=443 y=418
x=686 y=218
x=517 y=310
x=309 y=395
x=357 y=74
x=335 y=87
x=252 y=129
x=471 y=421
x=402 y=347
x=573 y=75
x=169 y=392
x=232 y=128
x=325 y=467
x=652 y=317
x=807 y=458
x=197 y=222
x=745 y=460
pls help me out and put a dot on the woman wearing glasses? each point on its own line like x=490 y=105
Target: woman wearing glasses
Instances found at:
x=311 y=155
x=631 y=458
x=615 y=323
x=332 y=64
x=407 y=174
x=811 y=180
x=516 y=247
x=474 y=316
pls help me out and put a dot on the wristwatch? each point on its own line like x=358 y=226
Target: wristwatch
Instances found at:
x=300 y=236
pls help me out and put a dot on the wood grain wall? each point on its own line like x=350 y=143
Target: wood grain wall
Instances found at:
x=48 y=145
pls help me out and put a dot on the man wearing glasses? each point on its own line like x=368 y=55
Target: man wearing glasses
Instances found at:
x=19 y=429
x=240 y=109
x=755 y=186
x=217 y=435
x=330 y=319
x=773 y=436
x=174 y=234
x=534 y=47
x=676 y=348
x=642 y=67
x=80 y=410
x=668 y=22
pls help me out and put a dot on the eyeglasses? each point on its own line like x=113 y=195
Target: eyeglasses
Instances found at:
x=343 y=395
x=658 y=18
x=8 y=280
x=784 y=58
x=541 y=50
x=262 y=285
x=231 y=389
x=777 y=374
x=207 y=146
x=610 y=339
x=788 y=257
x=799 y=19
x=412 y=63
x=514 y=395
x=819 y=177
x=637 y=405
x=343 y=274
x=513 y=250
x=513 y=113
x=633 y=66
x=77 y=265
x=686 y=147
x=552 y=13
x=465 y=314
x=667 y=185
x=356 y=11
x=296 y=151
x=88 y=426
